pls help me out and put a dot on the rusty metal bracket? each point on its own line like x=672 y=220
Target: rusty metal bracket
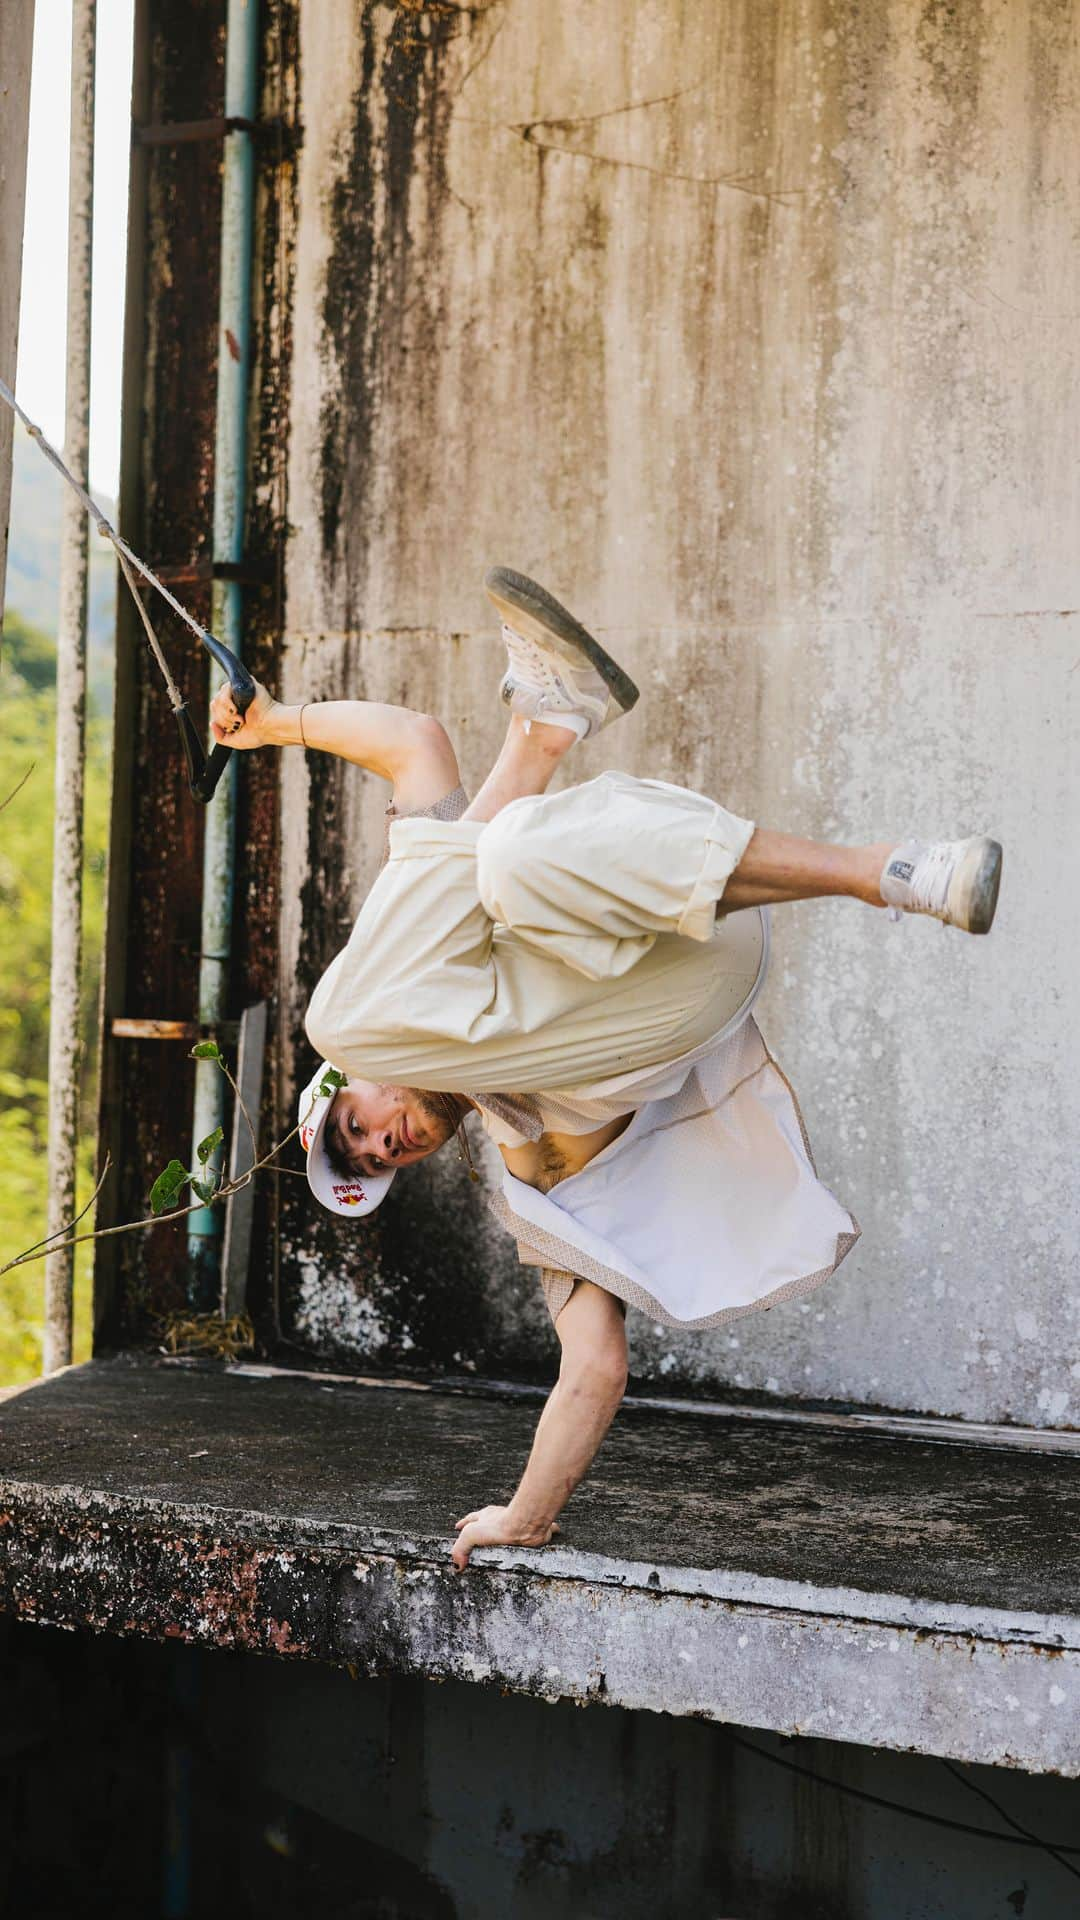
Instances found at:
x=122 y=1028
x=194 y=573
x=182 y=133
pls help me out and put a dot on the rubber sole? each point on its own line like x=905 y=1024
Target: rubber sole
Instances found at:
x=982 y=887
x=517 y=599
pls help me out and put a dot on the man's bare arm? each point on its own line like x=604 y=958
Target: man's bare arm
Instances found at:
x=578 y=1413
x=412 y=750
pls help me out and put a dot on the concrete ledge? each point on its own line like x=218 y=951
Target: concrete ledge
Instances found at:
x=891 y=1592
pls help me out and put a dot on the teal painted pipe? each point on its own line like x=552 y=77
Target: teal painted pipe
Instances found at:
x=230 y=500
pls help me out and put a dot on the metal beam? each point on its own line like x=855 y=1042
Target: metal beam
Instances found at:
x=65 y=1044
x=16 y=43
x=243 y=1153
x=181 y=133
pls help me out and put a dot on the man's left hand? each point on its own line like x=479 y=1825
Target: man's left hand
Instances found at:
x=495 y=1527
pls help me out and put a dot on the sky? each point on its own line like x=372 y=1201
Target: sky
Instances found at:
x=43 y=301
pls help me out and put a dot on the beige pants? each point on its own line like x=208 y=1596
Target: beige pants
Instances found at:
x=571 y=939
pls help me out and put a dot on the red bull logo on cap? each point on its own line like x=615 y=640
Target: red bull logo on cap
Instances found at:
x=349 y=1196
x=305 y=1138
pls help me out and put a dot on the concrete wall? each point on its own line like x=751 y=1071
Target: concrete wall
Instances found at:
x=15 y=49
x=752 y=329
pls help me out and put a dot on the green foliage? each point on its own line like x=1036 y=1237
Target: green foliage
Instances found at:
x=330 y=1082
x=172 y=1180
x=205 y=1050
x=208 y=1146
x=22 y=1222
x=29 y=653
x=27 y=731
x=206 y=1189
x=168 y=1186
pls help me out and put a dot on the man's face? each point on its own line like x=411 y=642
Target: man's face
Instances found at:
x=375 y=1127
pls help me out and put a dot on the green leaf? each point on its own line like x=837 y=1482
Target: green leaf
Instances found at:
x=206 y=1147
x=204 y=1189
x=168 y=1187
x=205 y=1050
x=330 y=1082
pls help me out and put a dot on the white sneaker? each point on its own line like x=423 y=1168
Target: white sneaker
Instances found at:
x=556 y=672
x=956 y=881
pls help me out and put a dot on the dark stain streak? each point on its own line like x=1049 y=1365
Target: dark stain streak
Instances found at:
x=369 y=287
x=232 y=343
x=346 y=415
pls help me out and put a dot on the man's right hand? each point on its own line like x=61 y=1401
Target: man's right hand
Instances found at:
x=251 y=729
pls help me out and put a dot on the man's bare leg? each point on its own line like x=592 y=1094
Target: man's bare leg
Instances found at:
x=527 y=759
x=778 y=867
x=954 y=880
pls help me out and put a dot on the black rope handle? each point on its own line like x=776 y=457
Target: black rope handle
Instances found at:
x=204 y=771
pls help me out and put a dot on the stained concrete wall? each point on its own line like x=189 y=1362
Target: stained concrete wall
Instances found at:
x=752 y=329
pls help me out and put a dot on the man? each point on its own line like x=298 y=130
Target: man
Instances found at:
x=579 y=968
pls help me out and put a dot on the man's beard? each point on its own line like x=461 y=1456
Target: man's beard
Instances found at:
x=441 y=1111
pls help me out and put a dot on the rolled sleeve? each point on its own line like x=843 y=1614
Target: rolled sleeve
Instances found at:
x=726 y=840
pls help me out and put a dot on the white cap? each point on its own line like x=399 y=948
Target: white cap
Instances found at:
x=353 y=1194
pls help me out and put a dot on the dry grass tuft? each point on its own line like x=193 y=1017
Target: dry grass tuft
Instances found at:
x=208 y=1334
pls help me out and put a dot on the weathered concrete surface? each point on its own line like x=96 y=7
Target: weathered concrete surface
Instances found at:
x=15 y=55
x=752 y=329
x=882 y=1591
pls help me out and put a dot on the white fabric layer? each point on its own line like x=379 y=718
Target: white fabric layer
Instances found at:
x=431 y=992
x=707 y=1207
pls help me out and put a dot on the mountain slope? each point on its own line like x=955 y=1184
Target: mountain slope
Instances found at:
x=34 y=564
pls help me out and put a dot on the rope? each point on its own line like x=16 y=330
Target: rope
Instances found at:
x=126 y=556
x=175 y=694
